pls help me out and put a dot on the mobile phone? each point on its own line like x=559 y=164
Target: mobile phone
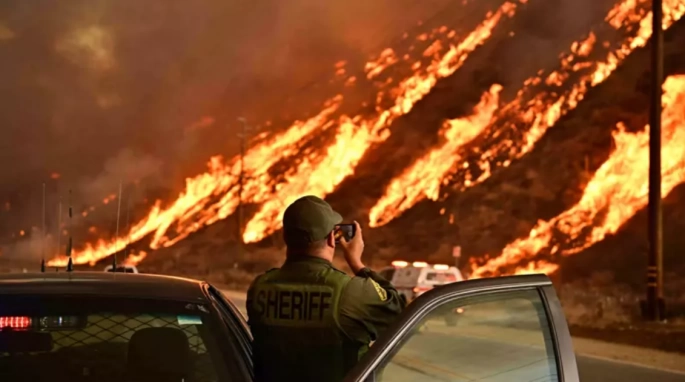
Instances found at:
x=344 y=230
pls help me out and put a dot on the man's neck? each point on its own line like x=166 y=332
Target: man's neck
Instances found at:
x=304 y=255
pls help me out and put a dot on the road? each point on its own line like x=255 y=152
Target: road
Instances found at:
x=594 y=369
x=410 y=366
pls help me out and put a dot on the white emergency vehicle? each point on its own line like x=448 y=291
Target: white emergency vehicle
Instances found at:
x=414 y=279
x=122 y=269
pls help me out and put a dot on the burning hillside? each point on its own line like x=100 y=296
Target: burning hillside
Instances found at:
x=615 y=193
x=524 y=120
x=475 y=171
x=213 y=196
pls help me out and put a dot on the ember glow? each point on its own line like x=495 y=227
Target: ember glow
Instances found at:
x=577 y=74
x=616 y=192
x=385 y=60
x=425 y=175
x=320 y=173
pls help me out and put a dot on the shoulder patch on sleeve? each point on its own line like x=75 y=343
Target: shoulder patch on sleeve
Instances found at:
x=381 y=292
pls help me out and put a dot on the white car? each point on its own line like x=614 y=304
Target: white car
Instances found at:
x=414 y=279
x=122 y=269
x=417 y=278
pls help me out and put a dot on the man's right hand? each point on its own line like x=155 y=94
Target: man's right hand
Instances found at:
x=353 y=250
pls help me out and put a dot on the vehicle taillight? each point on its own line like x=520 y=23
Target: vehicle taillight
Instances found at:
x=17 y=322
x=419 y=290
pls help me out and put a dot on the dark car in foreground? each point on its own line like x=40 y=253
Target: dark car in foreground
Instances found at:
x=74 y=326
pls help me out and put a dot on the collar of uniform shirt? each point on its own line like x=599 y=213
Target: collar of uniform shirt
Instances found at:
x=295 y=258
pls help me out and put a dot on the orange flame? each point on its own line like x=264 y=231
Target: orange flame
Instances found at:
x=213 y=196
x=202 y=123
x=196 y=200
x=132 y=259
x=420 y=179
x=544 y=109
x=386 y=59
x=109 y=198
x=616 y=192
x=320 y=174
x=534 y=268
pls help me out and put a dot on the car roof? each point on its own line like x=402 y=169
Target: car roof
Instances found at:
x=111 y=284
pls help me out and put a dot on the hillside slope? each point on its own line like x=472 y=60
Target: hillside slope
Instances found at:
x=550 y=179
x=487 y=217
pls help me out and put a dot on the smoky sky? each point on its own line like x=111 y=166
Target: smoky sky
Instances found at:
x=100 y=91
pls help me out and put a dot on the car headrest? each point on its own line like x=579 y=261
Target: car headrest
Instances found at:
x=159 y=353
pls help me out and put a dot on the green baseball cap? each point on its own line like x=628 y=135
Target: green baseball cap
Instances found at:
x=307 y=220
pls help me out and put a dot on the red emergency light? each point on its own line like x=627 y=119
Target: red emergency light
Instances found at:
x=15 y=322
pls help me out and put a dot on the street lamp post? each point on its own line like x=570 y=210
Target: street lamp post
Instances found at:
x=655 y=306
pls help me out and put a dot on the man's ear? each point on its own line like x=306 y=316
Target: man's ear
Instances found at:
x=330 y=240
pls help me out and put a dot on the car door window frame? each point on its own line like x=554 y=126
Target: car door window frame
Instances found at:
x=236 y=325
x=423 y=305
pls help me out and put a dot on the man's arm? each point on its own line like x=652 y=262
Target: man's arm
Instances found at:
x=368 y=305
x=249 y=300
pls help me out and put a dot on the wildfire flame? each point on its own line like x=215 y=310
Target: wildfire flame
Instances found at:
x=420 y=179
x=135 y=259
x=197 y=206
x=616 y=192
x=537 y=115
x=356 y=135
x=386 y=59
x=197 y=198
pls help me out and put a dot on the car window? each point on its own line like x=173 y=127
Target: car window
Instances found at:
x=441 y=277
x=406 y=276
x=498 y=337
x=66 y=339
x=235 y=320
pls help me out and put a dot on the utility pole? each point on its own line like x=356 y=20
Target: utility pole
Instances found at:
x=44 y=234
x=59 y=225
x=241 y=176
x=655 y=308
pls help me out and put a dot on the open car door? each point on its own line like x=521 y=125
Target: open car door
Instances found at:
x=506 y=329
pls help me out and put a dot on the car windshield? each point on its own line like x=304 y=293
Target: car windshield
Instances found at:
x=107 y=339
x=121 y=269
